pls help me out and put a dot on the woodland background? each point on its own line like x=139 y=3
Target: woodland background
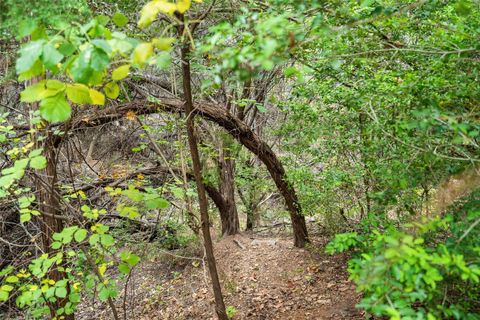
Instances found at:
x=132 y=133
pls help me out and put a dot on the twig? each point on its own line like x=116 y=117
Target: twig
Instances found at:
x=239 y=244
x=473 y=225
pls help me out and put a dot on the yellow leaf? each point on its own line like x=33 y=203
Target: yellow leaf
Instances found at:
x=102 y=269
x=111 y=90
x=152 y=9
x=148 y=14
x=97 y=97
x=166 y=7
x=183 y=5
x=121 y=72
x=78 y=93
x=28 y=146
x=163 y=43
x=141 y=53
x=34 y=92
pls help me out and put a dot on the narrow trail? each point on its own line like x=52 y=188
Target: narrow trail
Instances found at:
x=263 y=278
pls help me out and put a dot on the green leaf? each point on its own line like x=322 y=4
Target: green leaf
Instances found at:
x=130 y=258
x=106 y=293
x=35 y=70
x=121 y=72
x=81 y=70
x=3 y=295
x=78 y=93
x=39 y=162
x=102 y=19
x=61 y=292
x=156 y=203
x=55 y=109
x=80 y=235
x=66 y=236
x=290 y=71
x=163 y=60
x=41 y=90
x=90 y=60
x=99 y=59
x=94 y=238
x=124 y=268
x=51 y=56
x=6 y=287
x=133 y=194
x=33 y=93
x=8 y=179
x=260 y=107
x=66 y=48
x=102 y=45
x=26 y=27
x=111 y=90
x=128 y=211
x=25 y=217
x=29 y=54
x=56 y=245
x=35 y=153
x=107 y=240
x=11 y=279
x=119 y=19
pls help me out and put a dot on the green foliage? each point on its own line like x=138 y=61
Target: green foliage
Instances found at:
x=73 y=65
x=86 y=265
x=259 y=43
x=19 y=18
x=380 y=105
x=231 y=311
x=412 y=276
x=84 y=56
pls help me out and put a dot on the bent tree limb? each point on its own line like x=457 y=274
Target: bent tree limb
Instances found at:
x=235 y=127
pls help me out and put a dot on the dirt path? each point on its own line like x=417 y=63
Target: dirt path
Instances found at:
x=263 y=278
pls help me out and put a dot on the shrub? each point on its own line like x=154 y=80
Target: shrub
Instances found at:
x=426 y=270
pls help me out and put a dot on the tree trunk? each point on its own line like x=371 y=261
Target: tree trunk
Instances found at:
x=197 y=171
x=48 y=198
x=250 y=218
x=226 y=168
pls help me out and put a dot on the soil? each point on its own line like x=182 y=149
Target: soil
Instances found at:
x=262 y=278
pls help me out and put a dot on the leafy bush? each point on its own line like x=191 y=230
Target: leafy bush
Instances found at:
x=427 y=270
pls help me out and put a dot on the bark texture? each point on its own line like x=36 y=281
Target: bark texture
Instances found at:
x=226 y=168
x=48 y=197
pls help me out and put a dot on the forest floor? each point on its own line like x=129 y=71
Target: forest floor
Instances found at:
x=263 y=278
